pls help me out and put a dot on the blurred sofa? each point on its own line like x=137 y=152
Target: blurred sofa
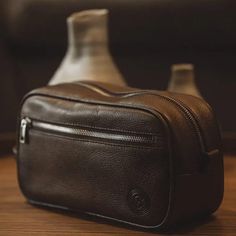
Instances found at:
x=146 y=37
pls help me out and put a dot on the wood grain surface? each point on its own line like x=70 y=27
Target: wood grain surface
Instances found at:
x=17 y=217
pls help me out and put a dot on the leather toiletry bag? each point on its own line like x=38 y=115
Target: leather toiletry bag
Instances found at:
x=142 y=157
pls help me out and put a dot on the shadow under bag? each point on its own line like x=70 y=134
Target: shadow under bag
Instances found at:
x=142 y=157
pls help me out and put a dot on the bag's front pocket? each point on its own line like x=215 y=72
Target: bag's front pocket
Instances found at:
x=121 y=175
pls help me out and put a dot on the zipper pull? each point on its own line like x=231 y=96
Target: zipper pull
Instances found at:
x=25 y=123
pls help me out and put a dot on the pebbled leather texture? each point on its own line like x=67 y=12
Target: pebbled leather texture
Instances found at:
x=146 y=158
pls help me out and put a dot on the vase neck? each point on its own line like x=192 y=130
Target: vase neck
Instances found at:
x=183 y=75
x=87 y=32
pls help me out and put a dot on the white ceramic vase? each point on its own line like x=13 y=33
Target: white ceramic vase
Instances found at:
x=183 y=80
x=88 y=56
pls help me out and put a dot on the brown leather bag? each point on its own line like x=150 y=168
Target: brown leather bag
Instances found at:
x=146 y=158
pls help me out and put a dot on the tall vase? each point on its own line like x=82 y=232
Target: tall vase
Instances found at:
x=88 y=56
x=183 y=80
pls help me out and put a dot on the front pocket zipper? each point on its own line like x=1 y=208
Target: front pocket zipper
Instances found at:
x=129 y=138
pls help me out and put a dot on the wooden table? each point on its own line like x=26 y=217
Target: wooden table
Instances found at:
x=19 y=218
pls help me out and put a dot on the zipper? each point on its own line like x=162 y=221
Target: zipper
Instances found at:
x=186 y=111
x=89 y=133
x=24 y=126
x=180 y=105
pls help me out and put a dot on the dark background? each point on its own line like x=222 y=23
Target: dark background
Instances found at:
x=146 y=37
